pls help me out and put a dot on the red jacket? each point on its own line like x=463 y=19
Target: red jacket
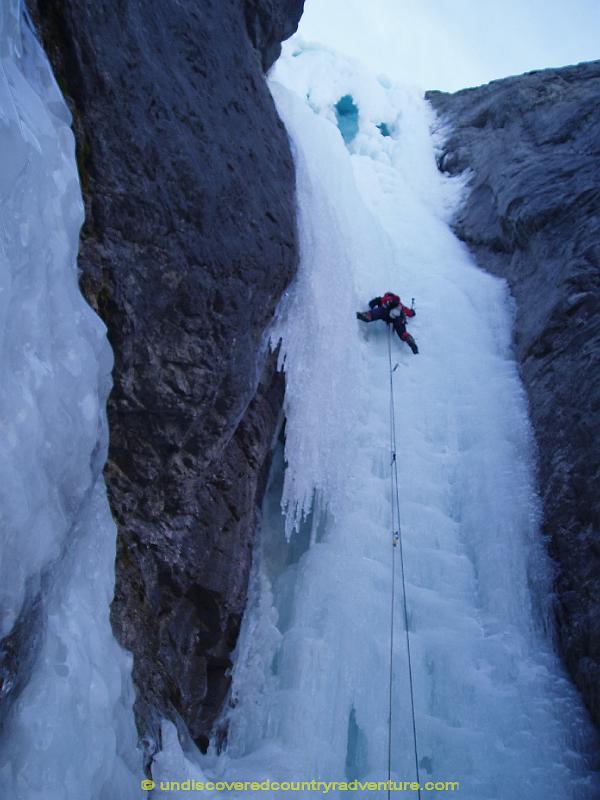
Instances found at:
x=389 y=301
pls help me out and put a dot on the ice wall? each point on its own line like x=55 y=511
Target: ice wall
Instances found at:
x=67 y=725
x=494 y=708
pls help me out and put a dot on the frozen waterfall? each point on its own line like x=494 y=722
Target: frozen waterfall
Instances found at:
x=494 y=708
x=67 y=730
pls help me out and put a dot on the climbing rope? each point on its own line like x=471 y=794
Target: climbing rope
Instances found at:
x=397 y=545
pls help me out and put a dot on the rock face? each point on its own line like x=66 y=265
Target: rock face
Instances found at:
x=188 y=244
x=533 y=216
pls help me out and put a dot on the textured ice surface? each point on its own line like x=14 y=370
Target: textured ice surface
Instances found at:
x=494 y=708
x=69 y=734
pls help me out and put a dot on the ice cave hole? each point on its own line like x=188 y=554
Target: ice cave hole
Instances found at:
x=346 y=113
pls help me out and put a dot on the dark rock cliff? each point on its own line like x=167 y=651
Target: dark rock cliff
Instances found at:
x=188 y=244
x=532 y=144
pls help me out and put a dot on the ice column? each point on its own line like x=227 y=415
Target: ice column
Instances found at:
x=67 y=726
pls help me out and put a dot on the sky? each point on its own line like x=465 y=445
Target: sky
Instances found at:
x=452 y=44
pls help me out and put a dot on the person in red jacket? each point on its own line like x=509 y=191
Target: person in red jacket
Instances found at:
x=390 y=309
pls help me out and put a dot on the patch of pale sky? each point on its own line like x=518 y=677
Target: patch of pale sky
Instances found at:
x=450 y=44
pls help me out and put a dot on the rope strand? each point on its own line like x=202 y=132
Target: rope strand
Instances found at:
x=397 y=540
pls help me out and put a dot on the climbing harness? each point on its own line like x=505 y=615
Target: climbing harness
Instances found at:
x=397 y=546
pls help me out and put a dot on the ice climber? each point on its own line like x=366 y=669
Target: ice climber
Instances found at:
x=389 y=308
